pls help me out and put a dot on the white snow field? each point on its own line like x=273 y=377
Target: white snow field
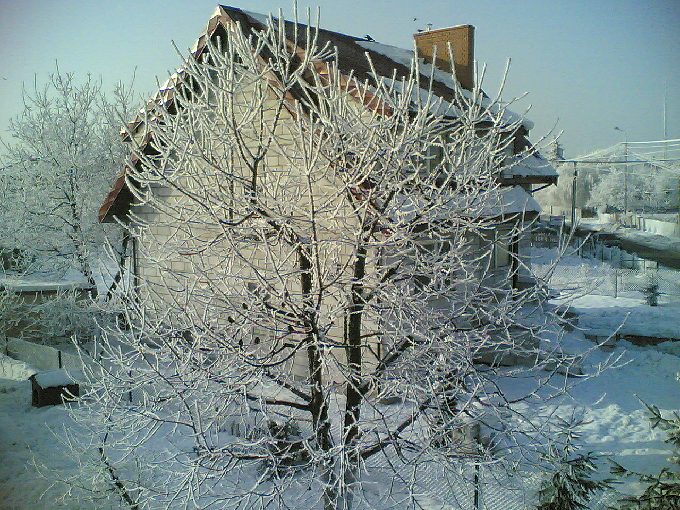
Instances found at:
x=28 y=446
x=32 y=461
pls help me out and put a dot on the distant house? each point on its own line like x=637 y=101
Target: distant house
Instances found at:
x=518 y=181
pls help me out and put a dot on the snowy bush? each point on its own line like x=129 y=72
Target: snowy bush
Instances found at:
x=14 y=260
x=69 y=314
x=662 y=490
x=13 y=311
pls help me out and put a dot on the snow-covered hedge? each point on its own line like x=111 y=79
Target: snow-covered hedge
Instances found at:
x=42 y=357
x=13 y=369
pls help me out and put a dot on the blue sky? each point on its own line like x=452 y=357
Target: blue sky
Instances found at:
x=587 y=65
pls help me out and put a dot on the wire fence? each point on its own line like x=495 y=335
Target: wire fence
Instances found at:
x=605 y=270
x=486 y=488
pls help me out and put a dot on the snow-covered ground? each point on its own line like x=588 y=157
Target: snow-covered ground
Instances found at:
x=611 y=404
x=614 y=421
x=589 y=288
x=601 y=315
x=28 y=446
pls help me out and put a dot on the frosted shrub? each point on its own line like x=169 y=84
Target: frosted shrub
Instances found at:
x=69 y=314
x=13 y=311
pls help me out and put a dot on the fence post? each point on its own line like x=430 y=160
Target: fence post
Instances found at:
x=59 y=359
x=476 y=502
x=616 y=283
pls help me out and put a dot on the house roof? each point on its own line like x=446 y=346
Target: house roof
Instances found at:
x=388 y=62
x=529 y=167
x=511 y=201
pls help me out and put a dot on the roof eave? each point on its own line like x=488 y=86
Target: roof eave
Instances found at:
x=528 y=179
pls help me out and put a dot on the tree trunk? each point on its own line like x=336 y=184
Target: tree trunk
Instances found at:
x=318 y=404
x=355 y=388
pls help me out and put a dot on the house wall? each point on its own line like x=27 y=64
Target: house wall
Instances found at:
x=168 y=275
x=174 y=267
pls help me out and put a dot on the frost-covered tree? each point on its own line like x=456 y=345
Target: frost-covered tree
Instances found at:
x=635 y=187
x=573 y=482
x=610 y=191
x=662 y=189
x=662 y=490
x=59 y=159
x=317 y=320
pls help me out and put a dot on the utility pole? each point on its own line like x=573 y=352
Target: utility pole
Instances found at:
x=665 y=125
x=573 y=198
x=625 y=171
x=625 y=178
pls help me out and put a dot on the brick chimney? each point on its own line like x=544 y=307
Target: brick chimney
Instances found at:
x=462 y=40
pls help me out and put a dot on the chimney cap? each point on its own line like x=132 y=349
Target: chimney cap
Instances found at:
x=443 y=29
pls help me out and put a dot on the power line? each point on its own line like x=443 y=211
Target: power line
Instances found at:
x=614 y=162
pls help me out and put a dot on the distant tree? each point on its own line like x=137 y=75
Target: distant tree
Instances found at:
x=662 y=189
x=637 y=188
x=59 y=161
x=609 y=192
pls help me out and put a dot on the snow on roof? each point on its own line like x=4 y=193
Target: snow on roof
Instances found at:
x=530 y=166
x=259 y=17
x=54 y=378
x=420 y=96
x=402 y=57
x=397 y=55
x=514 y=200
x=405 y=58
x=506 y=201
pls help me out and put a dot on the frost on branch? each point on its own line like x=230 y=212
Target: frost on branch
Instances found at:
x=323 y=309
x=58 y=161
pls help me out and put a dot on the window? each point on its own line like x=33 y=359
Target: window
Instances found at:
x=435 y=161
x=502 y=248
